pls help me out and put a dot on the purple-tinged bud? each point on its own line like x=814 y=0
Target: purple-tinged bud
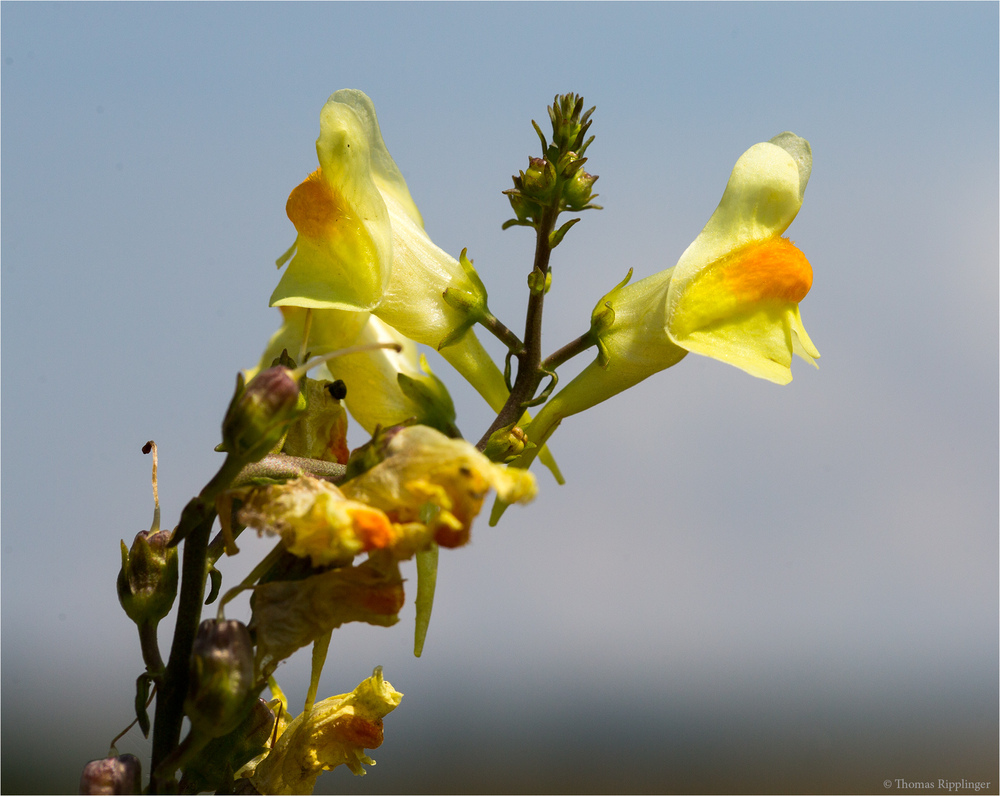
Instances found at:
x=121 y=774
x=147 y=581
x=539 y=180
x=260 y=413
x=221 y=689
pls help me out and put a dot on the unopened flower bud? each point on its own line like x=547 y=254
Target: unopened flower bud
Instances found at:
x=539 y=180
x=505 y=443
x=569 y=123
x=221 y=689
x=261 y=412
x=147 y=581
x=579 y=191
x=121 y=774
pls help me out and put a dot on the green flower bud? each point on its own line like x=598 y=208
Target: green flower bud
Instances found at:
x=147 y=582
x=539 y=181
x=221 y=688
x=579 y=191
x=505 y=444
x=569 y=123
x=121 y=774
x=260 y=413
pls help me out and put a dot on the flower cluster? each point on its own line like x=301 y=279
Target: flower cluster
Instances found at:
x=363 y=285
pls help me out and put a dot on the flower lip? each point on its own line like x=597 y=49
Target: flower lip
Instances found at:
x=735 y=291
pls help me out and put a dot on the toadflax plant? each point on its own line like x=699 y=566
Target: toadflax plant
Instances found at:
x=362 y=285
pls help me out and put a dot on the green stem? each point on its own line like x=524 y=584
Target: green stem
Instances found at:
x=495 y=326
x=568 y=351
x=150 y=649
x=529 y=372
x=198 y=516
x=279 y=466
x=194 y=529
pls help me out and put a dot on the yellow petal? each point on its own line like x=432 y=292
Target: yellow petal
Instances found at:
x=343 y=255
x=735 y=291
x=425 y=468
x=315 y=520
x=335 y=732
x=413 y=300
x=385 y=172
x=374 y=397
x=329 y=330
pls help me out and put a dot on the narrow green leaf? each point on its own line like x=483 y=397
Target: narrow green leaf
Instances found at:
x=427 y=563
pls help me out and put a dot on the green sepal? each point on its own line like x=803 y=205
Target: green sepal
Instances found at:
x=142 y=684
x=431 y=396
x=470 y=271
x=457 y=333
x=603 y=318
x=427 y=564
x=462 y=300
x=499 y=507
x=541 y=135
x=214 y=583
x=366 y=456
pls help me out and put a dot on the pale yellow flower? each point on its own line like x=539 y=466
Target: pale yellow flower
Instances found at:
x=336 y=731
x=315 y=519
x=735 y=292
x=429 y=478
x=733 y=295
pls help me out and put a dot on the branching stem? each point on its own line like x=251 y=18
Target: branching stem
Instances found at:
x=529 y=358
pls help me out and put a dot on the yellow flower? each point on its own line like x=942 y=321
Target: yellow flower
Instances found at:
x=289 y=614
x=733 y=295
x=386 y=387
x=328 y=331
x=735 y=292
x=343 y=251
x=424 y=469
x=335 y=732
x=361 y=246
x=314 y=519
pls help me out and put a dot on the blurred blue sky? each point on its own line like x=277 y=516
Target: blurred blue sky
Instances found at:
x=794 y=587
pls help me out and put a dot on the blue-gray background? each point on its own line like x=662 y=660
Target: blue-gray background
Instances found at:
x=742 y=587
